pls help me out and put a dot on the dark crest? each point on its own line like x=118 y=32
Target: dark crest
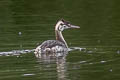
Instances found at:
x=64 y=21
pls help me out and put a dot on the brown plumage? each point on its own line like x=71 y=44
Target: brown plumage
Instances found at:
x=58 y=45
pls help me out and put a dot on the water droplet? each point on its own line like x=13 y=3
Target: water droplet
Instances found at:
x=28 y=74
x=20 y=33
x=17 y=56
x=90 y=63
x=83 y=61
x=103 y=61
x=118 y=52
x=110 y=70
x=98 y=41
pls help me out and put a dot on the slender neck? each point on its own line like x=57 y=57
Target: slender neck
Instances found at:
x=60 y=37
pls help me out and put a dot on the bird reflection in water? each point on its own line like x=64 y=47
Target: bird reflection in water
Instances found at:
x=56 y=49
x=59 y=59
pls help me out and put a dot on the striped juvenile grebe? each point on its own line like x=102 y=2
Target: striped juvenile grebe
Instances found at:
x=58 y=45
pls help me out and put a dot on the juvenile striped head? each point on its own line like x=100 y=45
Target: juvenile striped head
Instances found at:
x=62 y=24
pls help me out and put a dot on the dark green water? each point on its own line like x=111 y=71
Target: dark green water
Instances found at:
x=25 y=23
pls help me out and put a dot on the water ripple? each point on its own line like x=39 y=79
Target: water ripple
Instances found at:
x=18 y=52
x=15 y=52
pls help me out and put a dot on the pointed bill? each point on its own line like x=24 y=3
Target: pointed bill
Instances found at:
x=73 y=26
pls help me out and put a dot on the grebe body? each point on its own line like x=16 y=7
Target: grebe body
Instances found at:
x=55 y=46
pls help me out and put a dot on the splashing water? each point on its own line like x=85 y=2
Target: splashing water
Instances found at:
x=15 y=52
x=19 y=52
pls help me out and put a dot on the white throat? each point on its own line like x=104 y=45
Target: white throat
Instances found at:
x=57 y=25
x=59 y=35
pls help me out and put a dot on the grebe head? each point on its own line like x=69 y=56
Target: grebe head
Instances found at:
x=62 y=24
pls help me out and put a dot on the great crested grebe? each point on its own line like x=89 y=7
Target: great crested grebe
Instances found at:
x=58 y=45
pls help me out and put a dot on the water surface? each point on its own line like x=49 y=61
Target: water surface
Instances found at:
x=94 y=48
